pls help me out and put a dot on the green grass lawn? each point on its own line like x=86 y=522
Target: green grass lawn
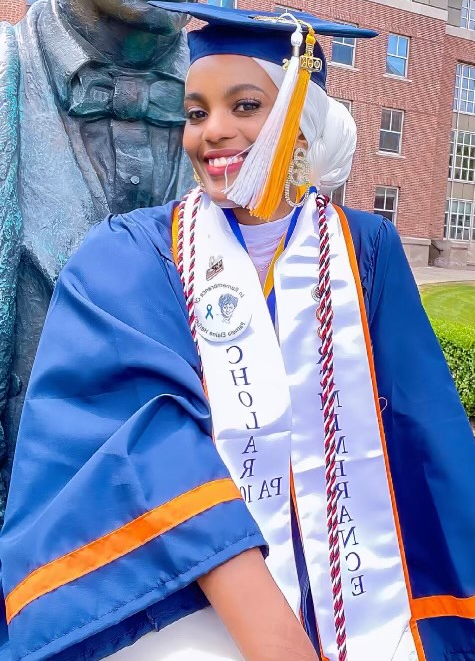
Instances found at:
x=452 y=301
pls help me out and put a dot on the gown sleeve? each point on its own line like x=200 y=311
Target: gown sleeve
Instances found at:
x=431 y=451
x=119 y=500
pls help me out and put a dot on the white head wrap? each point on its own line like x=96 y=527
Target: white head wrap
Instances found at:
x=329 y=129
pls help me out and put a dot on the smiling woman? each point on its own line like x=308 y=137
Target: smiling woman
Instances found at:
x=223 y=121
x=265 y=386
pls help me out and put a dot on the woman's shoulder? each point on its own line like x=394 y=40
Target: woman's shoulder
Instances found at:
x=373 y=237
x=122 y=249
x=150 y=224
x=366 y=227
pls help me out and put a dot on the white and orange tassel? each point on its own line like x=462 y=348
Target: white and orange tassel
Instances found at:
x=260 y=184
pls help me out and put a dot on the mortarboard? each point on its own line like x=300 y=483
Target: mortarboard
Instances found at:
x=264 y=35
x=285 y=38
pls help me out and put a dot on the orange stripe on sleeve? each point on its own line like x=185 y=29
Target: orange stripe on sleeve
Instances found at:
x=369 y=349
x=118 y=543
x=443 y=606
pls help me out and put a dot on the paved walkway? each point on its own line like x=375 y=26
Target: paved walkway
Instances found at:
x=425 y=275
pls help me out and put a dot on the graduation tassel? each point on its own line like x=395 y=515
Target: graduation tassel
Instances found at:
x=272 y=193
x=246 y=190
x=260 y=183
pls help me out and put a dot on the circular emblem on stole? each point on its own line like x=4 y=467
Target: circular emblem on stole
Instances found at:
x=222 y=312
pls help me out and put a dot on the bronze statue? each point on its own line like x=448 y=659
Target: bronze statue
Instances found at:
x=91 y=123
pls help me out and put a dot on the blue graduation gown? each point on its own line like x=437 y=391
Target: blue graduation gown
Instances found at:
x=115 y=436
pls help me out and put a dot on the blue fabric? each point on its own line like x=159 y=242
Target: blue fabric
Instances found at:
x=430 y=443
x=116 y=423
x=448 y=638
x=237 y=32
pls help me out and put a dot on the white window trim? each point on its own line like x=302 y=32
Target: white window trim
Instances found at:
x=339 y=65
x=279 y=7
x=470 y=15
x=343 y=101
x=344 y=193
x=342 y=64
x=383 y=151
x=378 y=211
x=458 y=98
x=396 y=75
x=471 y=225
x=456 y=133
x=391 y=154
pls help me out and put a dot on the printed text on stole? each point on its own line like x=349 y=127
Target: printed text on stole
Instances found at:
x=347 y=526
x=267 y=487
x=271 y=485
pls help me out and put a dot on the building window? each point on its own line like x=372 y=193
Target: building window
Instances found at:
x=467 y=19
x=390 y=133
x=345 y=103
x=464 y=97
x=459 y=224
x=462 y=156
x=230 y=4
x=337 y=196
x=343 y=50
x=284 y=8
x=385 y=202
x=398 y=55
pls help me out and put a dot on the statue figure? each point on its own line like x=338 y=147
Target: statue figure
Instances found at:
x=90 y=124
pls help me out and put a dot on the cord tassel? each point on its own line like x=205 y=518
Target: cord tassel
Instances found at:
x=246 y=191
x=272 y=193
x=261 y=181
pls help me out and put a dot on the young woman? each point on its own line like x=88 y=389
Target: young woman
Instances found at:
x=129 y=512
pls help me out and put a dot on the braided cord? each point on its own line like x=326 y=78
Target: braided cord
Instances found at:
x=188 y=287
x=325 y=332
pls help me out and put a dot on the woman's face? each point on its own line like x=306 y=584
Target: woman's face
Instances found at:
x=227 y=100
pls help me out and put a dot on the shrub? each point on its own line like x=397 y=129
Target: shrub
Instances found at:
x=458 y=344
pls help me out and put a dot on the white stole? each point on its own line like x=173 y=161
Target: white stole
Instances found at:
x=266 y=409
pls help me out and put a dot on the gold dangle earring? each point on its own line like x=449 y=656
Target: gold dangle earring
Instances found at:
x=299 y=175
x=196 y=177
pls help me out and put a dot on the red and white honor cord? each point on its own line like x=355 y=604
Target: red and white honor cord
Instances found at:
x=188 y=286
x=325 y=332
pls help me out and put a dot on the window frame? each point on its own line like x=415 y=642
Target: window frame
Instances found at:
x=381 y=212
x=343 y=185
x=463 y=227
x=401 y=57
x=400 y=133
x=284 y=8
x=467 y=15
x=458 y=161
x=343 y=43
x=347 y=103
x=464 y=106
x=226 y=4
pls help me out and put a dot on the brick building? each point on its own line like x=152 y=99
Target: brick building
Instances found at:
x=12 y=10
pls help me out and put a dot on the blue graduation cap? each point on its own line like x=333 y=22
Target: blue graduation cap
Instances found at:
x=260 y=34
